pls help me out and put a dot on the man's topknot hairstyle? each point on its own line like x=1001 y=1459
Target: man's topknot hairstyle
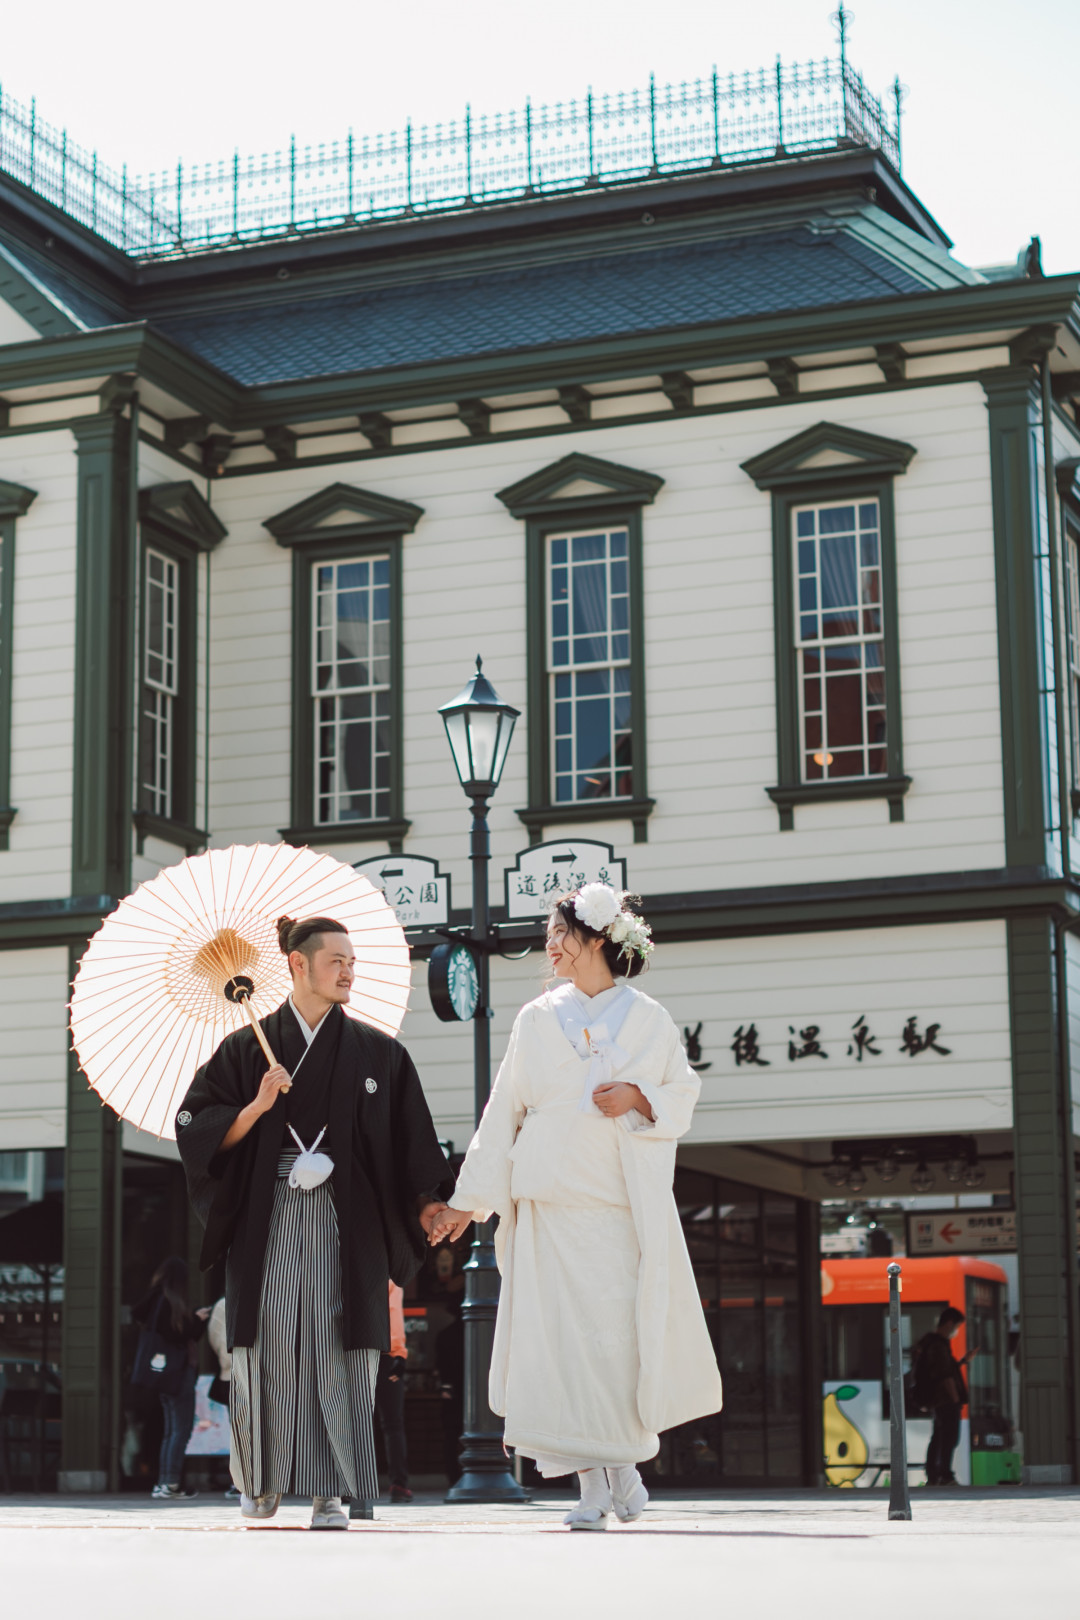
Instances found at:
x=305 y=935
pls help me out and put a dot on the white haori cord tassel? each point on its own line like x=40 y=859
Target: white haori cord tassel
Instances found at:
x=594 y=1508
x=310 y=1169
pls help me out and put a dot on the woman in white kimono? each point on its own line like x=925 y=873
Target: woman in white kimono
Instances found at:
x=600 y=1341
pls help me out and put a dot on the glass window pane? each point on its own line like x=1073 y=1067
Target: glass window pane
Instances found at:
x=587 y=547
x=847 y=762
x=804 y=524
x=838 y=571
x=868 y=515
x=843 y=710
x=590 y=640
x=593 y=734
x=352 y=646
x=836 y=520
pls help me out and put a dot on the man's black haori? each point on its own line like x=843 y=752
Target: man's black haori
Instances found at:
x=364 y=1087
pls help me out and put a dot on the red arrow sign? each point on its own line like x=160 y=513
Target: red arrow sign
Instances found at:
x=950 y=1232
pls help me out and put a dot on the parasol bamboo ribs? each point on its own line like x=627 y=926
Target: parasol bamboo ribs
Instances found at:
x=224 y=961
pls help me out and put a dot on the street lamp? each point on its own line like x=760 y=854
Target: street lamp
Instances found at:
x=479 y=727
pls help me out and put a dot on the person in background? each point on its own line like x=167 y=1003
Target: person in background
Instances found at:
x=390 y=1399
x=939 y=1382
x=219 y=1387
x=164 y=1310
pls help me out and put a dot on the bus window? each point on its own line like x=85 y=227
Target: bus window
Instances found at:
x=853 y=1342
x=987 y=1373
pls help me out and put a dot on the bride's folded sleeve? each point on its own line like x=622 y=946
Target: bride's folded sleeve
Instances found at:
x=483 y=1185
x=671 y=1098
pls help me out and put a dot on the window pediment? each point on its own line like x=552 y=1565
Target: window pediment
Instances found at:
x=825 y=454
x=342 y=512
x=582 y=482
x=15 y=499
x=179 y=511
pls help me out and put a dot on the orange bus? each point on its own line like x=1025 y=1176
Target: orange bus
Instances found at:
x=855 y=1294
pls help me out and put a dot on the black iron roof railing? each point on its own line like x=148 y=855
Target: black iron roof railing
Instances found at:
x=595 y=143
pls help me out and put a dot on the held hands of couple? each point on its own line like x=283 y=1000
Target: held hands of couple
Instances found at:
x=448 y=1223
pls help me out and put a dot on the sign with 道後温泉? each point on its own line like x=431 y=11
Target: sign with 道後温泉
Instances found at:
x=413 y=885
x=545 y=871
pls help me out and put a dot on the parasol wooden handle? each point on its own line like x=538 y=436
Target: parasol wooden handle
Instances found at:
x=245 y=1002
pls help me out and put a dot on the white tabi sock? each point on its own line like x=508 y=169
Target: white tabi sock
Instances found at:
x=629 y=1496
x=595 y=1505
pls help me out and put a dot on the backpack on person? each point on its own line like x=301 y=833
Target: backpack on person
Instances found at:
x=919 y=1383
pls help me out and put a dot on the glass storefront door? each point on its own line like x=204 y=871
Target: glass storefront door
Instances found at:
x=743 y=1245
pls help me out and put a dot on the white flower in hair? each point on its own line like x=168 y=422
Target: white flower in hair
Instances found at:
x=597 y=906
x=622 y=927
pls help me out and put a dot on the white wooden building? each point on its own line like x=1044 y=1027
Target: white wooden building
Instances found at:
x=764 y=511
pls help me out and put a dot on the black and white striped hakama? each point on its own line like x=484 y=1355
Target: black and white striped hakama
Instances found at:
x=301 y=1404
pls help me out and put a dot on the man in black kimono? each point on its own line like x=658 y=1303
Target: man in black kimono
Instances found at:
x=318 y=1180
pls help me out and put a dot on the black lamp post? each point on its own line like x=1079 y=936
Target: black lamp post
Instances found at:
x=479 y=727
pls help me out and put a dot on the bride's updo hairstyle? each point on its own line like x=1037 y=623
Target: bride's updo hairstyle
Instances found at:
x=622 y=963
x=306 y=935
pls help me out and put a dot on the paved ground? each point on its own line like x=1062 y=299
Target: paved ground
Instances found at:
x=812 y=1555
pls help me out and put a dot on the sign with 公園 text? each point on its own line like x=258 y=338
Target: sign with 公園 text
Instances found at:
x=414 y=887
x=543 y=872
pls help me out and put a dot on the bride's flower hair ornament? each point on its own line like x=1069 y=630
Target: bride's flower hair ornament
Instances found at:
x=604 y=910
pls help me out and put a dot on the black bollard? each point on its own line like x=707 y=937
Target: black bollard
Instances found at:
x=899 y=1498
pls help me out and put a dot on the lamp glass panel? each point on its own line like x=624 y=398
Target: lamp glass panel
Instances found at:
x=457 y=732
x=506 y=731
x=484 y=726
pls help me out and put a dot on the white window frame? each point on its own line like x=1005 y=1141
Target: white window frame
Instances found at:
x=821 y=644
x=612 y=663
x=328 y=804
x=160 y=682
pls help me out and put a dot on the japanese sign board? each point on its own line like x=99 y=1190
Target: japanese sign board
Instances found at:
x=545 y=871
x=963 y=1231
x=966 y=1231
x=749 y=1044
x=413 y=885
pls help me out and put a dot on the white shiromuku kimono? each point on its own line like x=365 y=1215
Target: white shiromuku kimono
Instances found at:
x=600 y=1341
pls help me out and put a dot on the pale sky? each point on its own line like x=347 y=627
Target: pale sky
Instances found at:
x=990 y=128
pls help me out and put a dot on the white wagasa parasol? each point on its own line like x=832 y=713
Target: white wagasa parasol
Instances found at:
x=193 y=954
